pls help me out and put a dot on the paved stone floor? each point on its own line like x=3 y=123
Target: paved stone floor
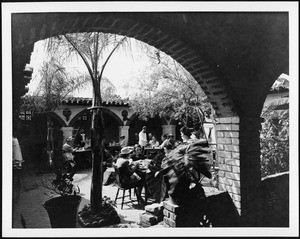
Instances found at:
x=32 y=195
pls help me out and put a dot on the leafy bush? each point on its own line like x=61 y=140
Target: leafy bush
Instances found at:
x=184 y=167
x=62 y=184
x=274 y=141
x=106 y=216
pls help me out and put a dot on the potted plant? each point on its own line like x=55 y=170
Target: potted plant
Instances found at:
x=62 y=209
x=183 y=169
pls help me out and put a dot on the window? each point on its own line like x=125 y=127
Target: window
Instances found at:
x=25 y=115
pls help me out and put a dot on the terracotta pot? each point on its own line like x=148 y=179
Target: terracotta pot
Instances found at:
x=63 y=210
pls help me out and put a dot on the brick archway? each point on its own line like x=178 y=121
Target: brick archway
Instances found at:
x=187 y=55
x=235 y=57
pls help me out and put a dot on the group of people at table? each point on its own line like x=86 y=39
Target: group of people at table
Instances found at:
x=132 y=163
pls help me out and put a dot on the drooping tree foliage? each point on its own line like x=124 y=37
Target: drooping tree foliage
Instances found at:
x=54 y=85
x=168 y=90
x=94 y=49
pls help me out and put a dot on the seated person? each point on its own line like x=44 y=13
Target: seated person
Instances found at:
x=137 y=154
x=154 y=176
x=153 y=142
x=87 y=143
x=157 y=160
x=128 y=172
x=67 y=155
x=107 y=162
x=79 y=140
x=164 y=139
x=171 y=140
x=168 y=149
x=185 y=133
x=107 y=157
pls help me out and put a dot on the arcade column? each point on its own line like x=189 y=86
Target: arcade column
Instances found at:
x=67 y=132
x=125 y=131
x=169 y=129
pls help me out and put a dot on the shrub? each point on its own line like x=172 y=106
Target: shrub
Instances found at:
x=274 y=141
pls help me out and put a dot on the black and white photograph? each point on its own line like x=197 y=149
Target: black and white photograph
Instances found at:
x=142 y=119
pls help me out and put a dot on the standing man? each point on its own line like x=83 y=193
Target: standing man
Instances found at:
x=143 y=137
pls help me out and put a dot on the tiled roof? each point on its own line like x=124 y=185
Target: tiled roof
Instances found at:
x=280 y=85
x=88 y=101
x=279 y=89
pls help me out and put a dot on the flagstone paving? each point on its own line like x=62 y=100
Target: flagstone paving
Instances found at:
x=33 y=195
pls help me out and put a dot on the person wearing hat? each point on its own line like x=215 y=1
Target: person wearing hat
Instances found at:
x=137 y=154
x=143 y=137
x=127 y=171
x=122 y=142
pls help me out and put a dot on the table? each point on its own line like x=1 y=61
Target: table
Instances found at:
x=142 y=164
x=152 y=151
x=83 y=158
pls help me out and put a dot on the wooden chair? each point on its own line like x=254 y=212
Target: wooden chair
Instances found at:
x=124 y=187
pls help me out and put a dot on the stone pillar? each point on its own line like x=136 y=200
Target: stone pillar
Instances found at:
x=125 y=131
x=67 y=132
x=169 y=129
x=238 y=159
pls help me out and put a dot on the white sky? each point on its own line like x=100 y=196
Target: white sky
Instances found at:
x=120 y=69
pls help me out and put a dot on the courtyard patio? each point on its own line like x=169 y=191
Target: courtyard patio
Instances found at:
x=29 y=199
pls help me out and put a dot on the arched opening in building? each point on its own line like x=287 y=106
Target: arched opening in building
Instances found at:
x=274 y=157
x=153 y=126
x=34 y=140
x=274 y=135
x=111 y=124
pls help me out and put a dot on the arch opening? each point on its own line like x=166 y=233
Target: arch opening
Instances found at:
x=184 y=53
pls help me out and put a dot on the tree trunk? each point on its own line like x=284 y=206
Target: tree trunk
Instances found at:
x=97 y=160
x=49 y=140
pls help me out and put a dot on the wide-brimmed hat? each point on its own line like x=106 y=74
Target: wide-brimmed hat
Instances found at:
x=126 y=150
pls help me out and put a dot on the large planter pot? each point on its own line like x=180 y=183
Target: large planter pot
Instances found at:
x=63 y=210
